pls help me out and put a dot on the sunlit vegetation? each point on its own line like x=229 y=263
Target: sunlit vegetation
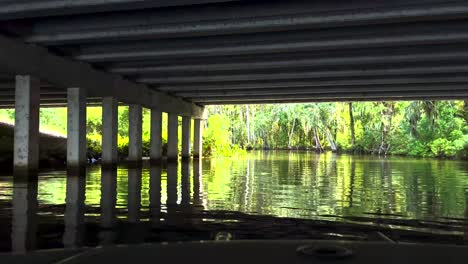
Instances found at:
x=417 y=128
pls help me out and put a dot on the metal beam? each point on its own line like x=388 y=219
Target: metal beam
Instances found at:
x=145 y=29
x=13 y=9
x=280 y=42
x=325 y=90
x=11 y=86
x=316 y=100
x=11 y=93
x=337 y=97
x=452 y=56
x=405 y=54
x=233 y=10
x=306 y=74
x=319 y=82
x=20 y=58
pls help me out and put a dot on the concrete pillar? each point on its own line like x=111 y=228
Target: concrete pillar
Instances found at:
x=135 y=133
x=156 y=135
x=186 y=132
x=76 y=128
x=110 y=111
x=26 y=142
x=197 y=138
x=172 y=137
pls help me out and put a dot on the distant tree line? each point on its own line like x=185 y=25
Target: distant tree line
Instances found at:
x=416 y=128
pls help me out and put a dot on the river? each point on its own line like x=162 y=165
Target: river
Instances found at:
x=114 y=206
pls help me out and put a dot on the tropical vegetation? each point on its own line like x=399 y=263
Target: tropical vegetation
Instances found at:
x=415 y=128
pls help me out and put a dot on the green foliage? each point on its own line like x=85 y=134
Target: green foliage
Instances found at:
x=417 y=128
x=217 y=138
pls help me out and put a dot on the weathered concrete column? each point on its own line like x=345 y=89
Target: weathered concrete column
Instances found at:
x=135 y=133
x=197 y=138
x=156 y=135
x=26 y=142
x=186 y=131
x=76 y=128
x=172 y=137
x=110 y=111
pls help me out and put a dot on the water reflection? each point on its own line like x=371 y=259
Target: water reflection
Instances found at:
x=75 y=208
x=185 y=172
x=171 y=190
x=197 y=186
x=24 y=215
x=108 y=203
x=155 y=195
x=132 y=205
x=134 y=195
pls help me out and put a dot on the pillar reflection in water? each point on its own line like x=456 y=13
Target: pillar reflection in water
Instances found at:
x=108 y=203
x=24 y=218
x=197 y=166
x=185 y=184
x=75 y=208
x=155 y=195
x=197 y=191
x=134 y=195
x=171 y=202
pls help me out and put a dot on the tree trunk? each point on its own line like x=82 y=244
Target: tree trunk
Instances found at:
x=387 y=116
x=351 y=123
x=291 y=134
x=331 y=141
x=247 y=117
x=318 y=145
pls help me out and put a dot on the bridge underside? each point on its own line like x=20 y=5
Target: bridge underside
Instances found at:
x=177 y=56
x=188 y=53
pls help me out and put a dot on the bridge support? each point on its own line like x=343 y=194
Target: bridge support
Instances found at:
x=109 y=130
x=156 y=135
x=186 y=132
x=26 y=142
x=135 y=133
x=76 y=127
x=172 y=137
x=197 y=138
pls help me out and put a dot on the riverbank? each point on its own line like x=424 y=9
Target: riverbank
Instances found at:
x=52 y=147
x=459 y=156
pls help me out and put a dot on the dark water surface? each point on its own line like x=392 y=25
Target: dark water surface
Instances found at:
x=267 y=195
